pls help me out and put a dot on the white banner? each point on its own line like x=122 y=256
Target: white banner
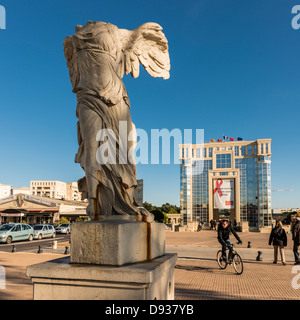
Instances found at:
x=45 y=202
x=224 y=194
x=7 y=199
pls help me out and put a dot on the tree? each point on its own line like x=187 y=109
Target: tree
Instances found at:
x=161 y=212
x=170 y=208
x=148 y=206
x=158 y=215
x=64 y=220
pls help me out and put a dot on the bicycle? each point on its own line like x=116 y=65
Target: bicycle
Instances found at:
x=232 y=258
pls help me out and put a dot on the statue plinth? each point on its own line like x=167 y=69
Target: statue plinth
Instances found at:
x=116 y=241
x=114 y=258
x=60 y=280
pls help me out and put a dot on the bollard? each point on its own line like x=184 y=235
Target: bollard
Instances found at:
x=249 y=244
x=67 y=250
x=54 y=245
x=14 y=249
x=40 y=250
x=259 y=258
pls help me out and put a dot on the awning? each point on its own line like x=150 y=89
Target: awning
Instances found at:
x=10 y=211
x=12 y=214
x=43 y=210
x=74 y=213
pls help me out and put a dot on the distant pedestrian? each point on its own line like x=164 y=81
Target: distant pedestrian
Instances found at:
x=200 y=226
x=279 y=240
x=293 y=221
x=215 y=225
x=296 y=239
x=211 y=224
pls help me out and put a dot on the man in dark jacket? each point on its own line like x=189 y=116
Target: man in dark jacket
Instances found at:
x=224 y=230
x=296 y=238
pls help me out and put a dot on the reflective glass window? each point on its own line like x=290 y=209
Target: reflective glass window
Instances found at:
x=223 y=160
x=243 y=150
x=236 y=151
x=249 y=150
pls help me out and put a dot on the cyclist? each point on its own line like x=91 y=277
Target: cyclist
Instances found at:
x=224 y=230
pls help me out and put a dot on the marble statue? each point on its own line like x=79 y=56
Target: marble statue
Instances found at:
x=98 y=55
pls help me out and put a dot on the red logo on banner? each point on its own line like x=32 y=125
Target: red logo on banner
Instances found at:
x=219 y=182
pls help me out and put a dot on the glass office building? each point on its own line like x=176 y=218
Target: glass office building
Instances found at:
x=226 y=180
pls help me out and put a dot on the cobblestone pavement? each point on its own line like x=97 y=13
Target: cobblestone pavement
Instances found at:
x=208 y=238
x=14 y=285
x=198 y=277
x=203 y=280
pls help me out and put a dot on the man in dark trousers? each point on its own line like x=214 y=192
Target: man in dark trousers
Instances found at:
x=224 y=230
x=296 y=239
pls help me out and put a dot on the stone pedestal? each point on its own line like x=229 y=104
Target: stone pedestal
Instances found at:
x=110 y=259
x=116 y=241
x=61 y=280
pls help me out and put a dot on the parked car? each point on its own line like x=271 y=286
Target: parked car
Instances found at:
x=43 y=231
x=64 y=228
x=15 y=232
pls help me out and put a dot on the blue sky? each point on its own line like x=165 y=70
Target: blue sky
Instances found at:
x=234 y=72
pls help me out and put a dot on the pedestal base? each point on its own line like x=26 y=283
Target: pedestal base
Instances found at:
x=61 y=280
x=116 y=241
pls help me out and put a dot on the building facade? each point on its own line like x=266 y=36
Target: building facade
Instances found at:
x=29 y=209
x=72 y=192
x=34 y=209
x=23 y=190
x=55 y=190
x=5 y=190
x=226 y=180
x=51 y=189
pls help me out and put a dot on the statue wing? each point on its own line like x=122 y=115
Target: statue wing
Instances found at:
x=146 y=45
x=69 y=52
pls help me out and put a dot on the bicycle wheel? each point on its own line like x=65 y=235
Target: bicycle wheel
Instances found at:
x=222 y=264
x=237 y=263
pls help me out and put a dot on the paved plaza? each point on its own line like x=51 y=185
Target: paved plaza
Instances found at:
x=197 y=275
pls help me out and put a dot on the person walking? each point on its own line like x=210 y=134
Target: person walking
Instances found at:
x=292 y=224
x=279 y=240
x=296 y=239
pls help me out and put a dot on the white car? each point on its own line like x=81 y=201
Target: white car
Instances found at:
x=63 y=228
x=43 y=231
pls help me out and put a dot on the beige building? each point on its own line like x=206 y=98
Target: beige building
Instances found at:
x=30 y=209
x=35 y=209
x=55 y=190
x=51 y=189
x=72 y=192
x=175 y=218
x=23 y=190
x=5 y=190
x=226 y=179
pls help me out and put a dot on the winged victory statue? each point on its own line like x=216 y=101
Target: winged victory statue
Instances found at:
x=98 y=55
